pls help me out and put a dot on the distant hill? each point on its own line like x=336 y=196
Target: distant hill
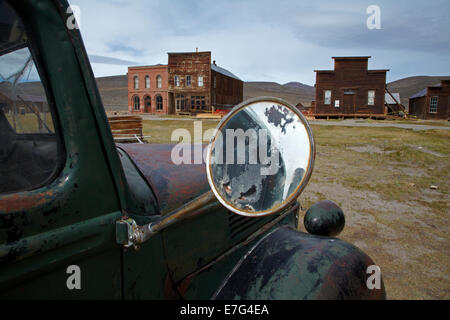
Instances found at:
x=293 y=92
x=114 y=90
x=412 y=85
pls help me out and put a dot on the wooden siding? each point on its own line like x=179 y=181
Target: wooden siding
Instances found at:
x=350 y=83
x=420 y=107
x=228 y=91
x=193 y=64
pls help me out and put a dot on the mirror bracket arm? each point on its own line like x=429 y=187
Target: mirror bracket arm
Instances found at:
x=129 y=234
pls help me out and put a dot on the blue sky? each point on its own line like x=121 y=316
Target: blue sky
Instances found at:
x=261 y=40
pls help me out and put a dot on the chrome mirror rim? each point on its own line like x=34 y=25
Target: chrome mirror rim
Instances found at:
x=308 y=172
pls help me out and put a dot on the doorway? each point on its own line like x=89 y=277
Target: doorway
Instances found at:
x=349 y=103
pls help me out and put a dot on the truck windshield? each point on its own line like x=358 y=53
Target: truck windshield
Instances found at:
x=28 y=144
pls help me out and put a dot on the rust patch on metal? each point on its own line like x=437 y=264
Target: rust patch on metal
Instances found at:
x=174 y=185
x=24 y=201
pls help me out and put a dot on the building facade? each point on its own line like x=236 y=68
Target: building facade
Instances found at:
x=432 y=102
x=350 y=89
x=197 y=85
x=147 y=89
x=190 y=83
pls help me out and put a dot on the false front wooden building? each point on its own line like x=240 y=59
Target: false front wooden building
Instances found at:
x=196 y=85
x=350 y=89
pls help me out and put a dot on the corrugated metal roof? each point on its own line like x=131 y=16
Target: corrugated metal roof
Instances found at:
x=223 y=71
x=423 y=92
x=419 y=94
x=388 y=99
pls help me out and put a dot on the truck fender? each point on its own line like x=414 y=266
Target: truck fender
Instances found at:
x=288 y=264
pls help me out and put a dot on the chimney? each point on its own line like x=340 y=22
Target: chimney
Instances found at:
x=196 y=50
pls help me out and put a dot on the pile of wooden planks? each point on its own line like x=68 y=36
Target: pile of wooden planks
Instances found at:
x=209 y=116
x=126 y=128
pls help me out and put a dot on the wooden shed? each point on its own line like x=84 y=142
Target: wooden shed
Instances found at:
x=432 y=102
x=350 y=90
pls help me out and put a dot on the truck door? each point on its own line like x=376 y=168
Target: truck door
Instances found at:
x=58 y=200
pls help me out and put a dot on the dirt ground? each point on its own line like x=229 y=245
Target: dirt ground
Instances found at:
x=382 y=179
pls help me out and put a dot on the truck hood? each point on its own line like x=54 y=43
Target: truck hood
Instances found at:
x=173 y=185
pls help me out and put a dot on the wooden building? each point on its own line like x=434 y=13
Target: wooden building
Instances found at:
x=195 y=85
x=23 y=103
x=147 y=89
x=350 y=89
x=305 y=110
x=432 y=102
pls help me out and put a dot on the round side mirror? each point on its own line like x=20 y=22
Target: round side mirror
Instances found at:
x=261 y=157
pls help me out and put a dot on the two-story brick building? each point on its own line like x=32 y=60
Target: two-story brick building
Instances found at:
x=188 y=83
x=147 y=89
x=350 y=89
x=432 y=102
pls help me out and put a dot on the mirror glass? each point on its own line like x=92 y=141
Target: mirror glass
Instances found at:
x=261 y=157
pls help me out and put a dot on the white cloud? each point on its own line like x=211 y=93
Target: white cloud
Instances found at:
x=264 y=40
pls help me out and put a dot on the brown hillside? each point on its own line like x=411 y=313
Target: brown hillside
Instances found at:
x=292 y=92
x=412 y=85
x=114 y=90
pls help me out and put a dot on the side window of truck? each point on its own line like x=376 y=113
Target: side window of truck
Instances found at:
x=28 y=142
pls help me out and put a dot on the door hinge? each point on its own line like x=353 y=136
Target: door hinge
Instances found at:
x=128 y=233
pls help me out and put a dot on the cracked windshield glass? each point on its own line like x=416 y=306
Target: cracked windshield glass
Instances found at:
x=28 y=146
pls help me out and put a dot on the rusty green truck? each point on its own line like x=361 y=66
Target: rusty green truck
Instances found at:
x=84 y=218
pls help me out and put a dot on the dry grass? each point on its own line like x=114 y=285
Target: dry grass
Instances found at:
x=160 y=131
x=438 y=123
x=392 y=214
x=29 y=123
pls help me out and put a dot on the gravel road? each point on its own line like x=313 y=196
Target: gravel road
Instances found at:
x=359 y=123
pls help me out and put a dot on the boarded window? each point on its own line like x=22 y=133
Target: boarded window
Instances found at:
x=433 y=104
x=327 y=97
x=200 y=81
x=136 y=82
x=371 y=97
